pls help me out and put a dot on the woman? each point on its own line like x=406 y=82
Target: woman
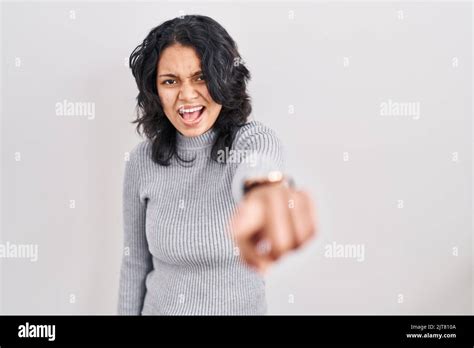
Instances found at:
x=187 y=248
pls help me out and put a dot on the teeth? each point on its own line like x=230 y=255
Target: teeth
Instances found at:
x=197 y=108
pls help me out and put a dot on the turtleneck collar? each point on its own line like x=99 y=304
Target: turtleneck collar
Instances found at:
x=198 y=142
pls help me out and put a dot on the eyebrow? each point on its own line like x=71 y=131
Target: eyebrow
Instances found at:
x=172 y=75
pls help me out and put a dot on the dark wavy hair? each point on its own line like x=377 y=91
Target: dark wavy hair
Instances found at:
x=224 y=72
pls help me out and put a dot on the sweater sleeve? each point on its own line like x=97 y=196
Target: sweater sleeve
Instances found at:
x=261 y=152
x=136 y=260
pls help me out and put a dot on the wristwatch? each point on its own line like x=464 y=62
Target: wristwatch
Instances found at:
x=272 y=177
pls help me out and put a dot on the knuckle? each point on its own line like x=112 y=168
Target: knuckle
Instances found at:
x=278 y=250
x=299 y=240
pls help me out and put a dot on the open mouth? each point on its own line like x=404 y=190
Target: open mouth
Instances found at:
x=191 y=115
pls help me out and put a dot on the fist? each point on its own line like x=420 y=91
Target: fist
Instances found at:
x=271 y=220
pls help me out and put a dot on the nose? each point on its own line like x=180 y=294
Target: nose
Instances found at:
x=187 y=91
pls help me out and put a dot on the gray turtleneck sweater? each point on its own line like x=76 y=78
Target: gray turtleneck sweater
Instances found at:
x=179 y=256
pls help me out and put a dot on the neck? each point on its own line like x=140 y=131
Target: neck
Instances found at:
x=197 y=142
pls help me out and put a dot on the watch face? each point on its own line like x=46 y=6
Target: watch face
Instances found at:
x=275 y=176
x=272 y=178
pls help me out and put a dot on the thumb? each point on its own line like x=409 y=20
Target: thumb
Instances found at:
x=248 y=219
x=246 y=224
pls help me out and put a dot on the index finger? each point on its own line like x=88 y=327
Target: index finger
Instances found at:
x=247 y=226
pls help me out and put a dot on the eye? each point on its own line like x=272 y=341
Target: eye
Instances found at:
x=200 y=78
x=165 y=82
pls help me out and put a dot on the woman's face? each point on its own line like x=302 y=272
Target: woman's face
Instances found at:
x=183 y=92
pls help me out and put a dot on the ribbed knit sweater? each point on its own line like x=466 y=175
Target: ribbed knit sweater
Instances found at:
x=180 y=257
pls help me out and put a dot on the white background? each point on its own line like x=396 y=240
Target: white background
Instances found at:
x=333 y=64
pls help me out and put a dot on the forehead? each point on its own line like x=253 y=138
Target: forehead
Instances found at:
x=178 y=59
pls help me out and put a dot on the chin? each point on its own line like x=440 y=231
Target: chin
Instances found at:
x=193 y=132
